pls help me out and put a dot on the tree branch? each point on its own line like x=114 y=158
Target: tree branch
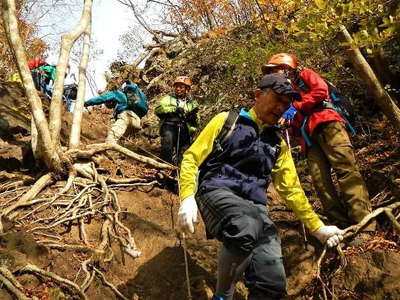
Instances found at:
x=73 y=286
x=140 y=19
x=74 y=139
x=25 y=200
x=67 y=40
x=50 y=156
x=96 y=148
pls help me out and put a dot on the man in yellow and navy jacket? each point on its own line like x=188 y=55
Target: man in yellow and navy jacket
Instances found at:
x=231 y=193
x=179 y=118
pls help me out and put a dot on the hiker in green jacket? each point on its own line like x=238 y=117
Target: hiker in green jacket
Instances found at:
x=179 y=119
x=44 y=77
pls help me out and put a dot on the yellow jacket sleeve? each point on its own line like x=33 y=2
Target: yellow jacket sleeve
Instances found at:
x=197 y=153
x=287 y=184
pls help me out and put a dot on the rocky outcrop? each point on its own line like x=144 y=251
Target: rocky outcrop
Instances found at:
x=14 y=113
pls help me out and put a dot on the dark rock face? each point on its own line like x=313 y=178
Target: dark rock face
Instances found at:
x=14 y=113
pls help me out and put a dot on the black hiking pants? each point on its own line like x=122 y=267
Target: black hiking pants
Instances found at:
x=250 y=244
x=169 y=139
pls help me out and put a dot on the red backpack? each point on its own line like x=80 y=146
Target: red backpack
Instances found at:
x=36 y=63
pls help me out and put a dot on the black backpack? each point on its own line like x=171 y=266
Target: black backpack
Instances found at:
x=225 y=132
x=71 y=91
x=341 y=102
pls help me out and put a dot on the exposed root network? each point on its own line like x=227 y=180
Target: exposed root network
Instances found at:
x=86 y=197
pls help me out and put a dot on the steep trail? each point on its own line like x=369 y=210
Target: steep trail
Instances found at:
x=149 y=211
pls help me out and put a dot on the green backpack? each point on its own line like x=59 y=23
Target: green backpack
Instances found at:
x=137 y=100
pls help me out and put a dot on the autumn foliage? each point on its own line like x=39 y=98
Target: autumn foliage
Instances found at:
x=372 y=21
x=35 y=47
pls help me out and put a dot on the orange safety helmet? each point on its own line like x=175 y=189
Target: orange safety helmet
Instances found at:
x=286 y=60
x=183 y=79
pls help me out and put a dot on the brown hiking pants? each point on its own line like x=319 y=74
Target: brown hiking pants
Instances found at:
x=332 y=149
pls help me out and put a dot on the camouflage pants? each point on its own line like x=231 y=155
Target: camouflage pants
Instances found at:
x=332 y=150
x=124 y=120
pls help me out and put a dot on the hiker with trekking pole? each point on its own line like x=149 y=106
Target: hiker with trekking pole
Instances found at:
x=321 y=119
x=225 y=174
x=179 y=119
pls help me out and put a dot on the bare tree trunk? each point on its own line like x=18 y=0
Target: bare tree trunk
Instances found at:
x=50 y=156
x=381 y=68
x=382 y=98
x=138 y=60
x=74 y=139
x=141 y=21
x=36 y=142
x=67 y=40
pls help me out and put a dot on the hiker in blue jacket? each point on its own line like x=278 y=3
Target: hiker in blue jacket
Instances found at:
x=130 y=105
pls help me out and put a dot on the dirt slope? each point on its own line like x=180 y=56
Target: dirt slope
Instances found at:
x=371 y=271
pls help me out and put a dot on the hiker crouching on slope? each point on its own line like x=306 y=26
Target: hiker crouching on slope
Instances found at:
x=326 y=143
x=179 y=119
x=130 y=104
x=234 y=174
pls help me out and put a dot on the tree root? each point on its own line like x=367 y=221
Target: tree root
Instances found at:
x=4 y=188
x=60 y=222
x=351 y=231
x=134 y=184
x=62 y=281
x=96 y=148
x=53 y=245
x=110 y=285
x=388 y=210
x=125 y=180
x=12 y=288
x=25 y=200
x=11 y=283
x=89 y=275
x=84 y=197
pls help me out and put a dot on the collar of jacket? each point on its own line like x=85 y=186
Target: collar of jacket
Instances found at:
x=186 y=99
x=251 y=115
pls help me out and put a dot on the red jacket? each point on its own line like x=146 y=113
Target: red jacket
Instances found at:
x=314 y=92
x=35 y=63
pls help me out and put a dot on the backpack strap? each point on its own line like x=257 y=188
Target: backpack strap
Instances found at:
x=226 y=131
x=302 y=86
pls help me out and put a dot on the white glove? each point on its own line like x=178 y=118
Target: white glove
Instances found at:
x=329 y=234
x=187 y=214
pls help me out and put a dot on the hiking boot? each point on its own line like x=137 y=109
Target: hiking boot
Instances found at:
x=360 y=238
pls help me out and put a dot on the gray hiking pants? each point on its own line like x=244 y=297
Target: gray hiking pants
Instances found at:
x=250 y=244
x=124 y=120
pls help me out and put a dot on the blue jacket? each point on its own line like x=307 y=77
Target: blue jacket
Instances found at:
x=245 y=164
x=118 y=96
